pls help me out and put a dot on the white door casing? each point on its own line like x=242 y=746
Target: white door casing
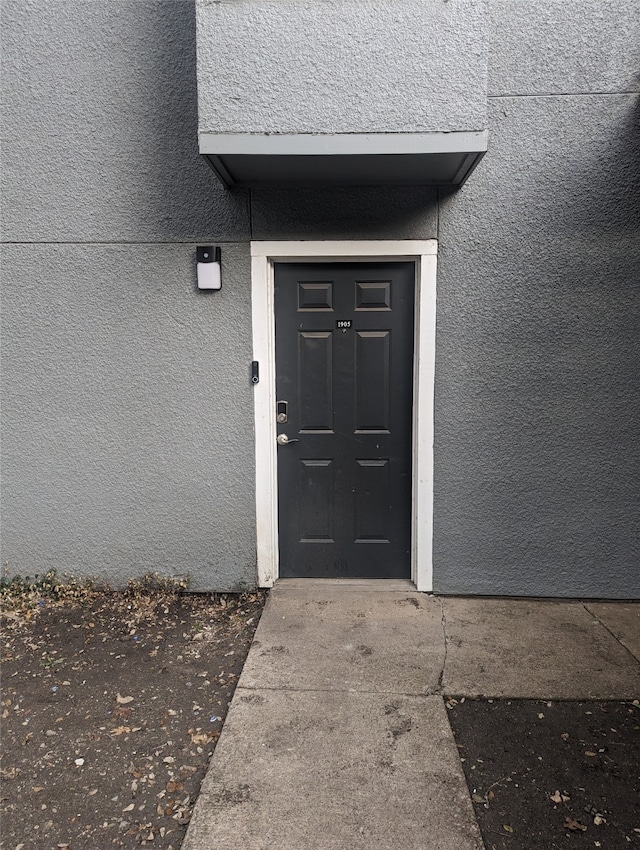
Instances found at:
x=263 y=255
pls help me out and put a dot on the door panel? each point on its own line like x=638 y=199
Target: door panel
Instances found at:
x=344 y=365
x=315 y=380
x=371 y=382
x=372 y=489
x=316 y=501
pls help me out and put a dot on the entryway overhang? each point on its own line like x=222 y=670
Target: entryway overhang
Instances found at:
x=345 y=159
x=328 y=92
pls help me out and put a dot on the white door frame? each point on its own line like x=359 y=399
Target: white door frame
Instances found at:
x=263 y=256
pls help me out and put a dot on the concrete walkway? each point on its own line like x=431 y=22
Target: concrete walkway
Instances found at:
x=337 y=737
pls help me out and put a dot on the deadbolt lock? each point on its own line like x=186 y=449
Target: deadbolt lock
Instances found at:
x=282 y=412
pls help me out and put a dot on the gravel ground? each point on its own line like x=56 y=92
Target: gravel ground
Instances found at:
x=112 y=703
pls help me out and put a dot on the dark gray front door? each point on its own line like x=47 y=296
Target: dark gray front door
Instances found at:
x=344 y=365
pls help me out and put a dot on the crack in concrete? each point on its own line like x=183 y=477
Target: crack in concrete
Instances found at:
x=440 y=685
x=607 y=629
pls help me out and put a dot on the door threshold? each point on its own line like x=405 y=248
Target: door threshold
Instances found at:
x=389 y=585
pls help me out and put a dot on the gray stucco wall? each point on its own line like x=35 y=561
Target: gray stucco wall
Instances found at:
x=367 y=212
x=100 y=126
x=563 y=47
x=128 y=441
x=341 y=66
x=537 y=486
x=127 y=414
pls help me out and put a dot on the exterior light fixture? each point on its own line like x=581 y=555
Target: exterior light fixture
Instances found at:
x=208 y=260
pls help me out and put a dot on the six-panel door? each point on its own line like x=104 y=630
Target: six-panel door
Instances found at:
x=344 y=366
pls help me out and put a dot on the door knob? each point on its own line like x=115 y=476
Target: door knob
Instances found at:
x=283 y=440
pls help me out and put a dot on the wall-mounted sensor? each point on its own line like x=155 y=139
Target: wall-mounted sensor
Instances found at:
x=208 y=267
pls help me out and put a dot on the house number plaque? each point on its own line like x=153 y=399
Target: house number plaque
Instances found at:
x=343 y=324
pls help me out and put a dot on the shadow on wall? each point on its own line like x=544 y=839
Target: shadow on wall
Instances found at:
x=189 y=192
x=366 y=212
x=537 y=392
x=182 y=198
x=189 y=200
x=188 y=195
x=100 y=119
x=606 y=187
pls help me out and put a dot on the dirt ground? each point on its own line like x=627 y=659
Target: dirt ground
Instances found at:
x=112 y=704
x=547 y=775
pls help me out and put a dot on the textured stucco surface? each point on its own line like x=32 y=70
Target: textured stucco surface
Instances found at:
x=127 y=414
x=538 y=355
x=128 y=429
x=344 y=213
x=564 y=46
x=341 y=66
x=99 y=125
